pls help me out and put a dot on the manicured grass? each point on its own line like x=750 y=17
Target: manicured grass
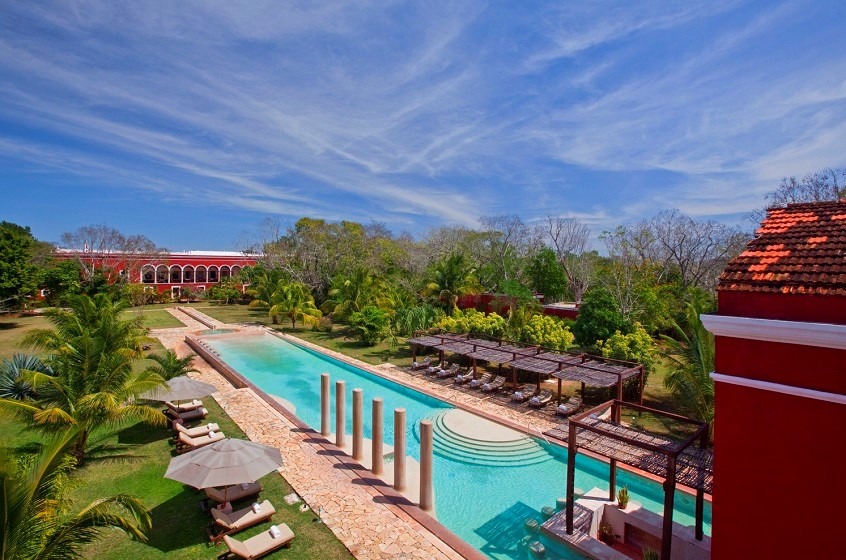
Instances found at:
x=13 y=329
x=154 y=318
x=178 y=521
x=235 y=313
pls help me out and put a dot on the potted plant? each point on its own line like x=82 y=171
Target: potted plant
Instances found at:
x=649 y=554
x=623 y=497
x=606 y=534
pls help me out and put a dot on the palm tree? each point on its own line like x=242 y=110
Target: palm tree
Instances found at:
x=450 y=278
x=169 y=365
x=692 y=355
x=352 y=293
x=296 y=302
x=13 y=383
x=33 y=523
x=93 y=383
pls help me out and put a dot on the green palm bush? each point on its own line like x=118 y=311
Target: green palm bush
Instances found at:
x=92 y=382
x=35 y=523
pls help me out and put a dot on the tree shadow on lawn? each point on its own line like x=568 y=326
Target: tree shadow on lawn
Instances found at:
x=178 y=522
x=9 y=326
x=141 y=434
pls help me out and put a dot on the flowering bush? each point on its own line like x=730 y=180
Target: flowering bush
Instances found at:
x=547 y=331
x=634 y=347
x=473 y=322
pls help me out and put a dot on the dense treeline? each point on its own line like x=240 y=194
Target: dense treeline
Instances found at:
x=640 y=294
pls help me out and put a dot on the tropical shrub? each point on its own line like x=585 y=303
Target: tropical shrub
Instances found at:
x=13 y=382
x=473 y=322
x=407 y=320
x=323 y=325
x=371 y=324
x=547 y=331
x=598 y=318
x=35 y=523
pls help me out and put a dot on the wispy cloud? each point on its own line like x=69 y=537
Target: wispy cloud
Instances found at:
x=417 y=116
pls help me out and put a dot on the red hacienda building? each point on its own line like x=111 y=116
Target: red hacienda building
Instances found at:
x=780 y=389
x=171 y=272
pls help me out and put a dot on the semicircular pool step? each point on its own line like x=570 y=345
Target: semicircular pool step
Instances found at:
x=465 y=437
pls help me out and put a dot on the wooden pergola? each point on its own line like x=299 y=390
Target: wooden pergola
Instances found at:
x=592 y=371
x=677 y=462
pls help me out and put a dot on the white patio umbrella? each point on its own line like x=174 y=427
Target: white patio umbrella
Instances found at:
x=180 y=388
x=226 y=462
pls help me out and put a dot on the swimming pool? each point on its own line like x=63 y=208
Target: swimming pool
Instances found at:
x=484 y=504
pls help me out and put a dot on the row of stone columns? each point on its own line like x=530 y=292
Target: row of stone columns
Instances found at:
x=377 y=460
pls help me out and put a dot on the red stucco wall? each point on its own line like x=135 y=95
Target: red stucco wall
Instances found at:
x=778 y=458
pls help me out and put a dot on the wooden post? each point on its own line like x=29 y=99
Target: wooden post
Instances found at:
x=612 y=480
x=377 y=452
x=571 y=476
x=325 y=430
x=340 y=414
x=641 y=385
x=358 y=425
x=669 y=497
x=559 y=390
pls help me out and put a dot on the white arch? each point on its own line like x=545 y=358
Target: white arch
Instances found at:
x=170 y=274
x=165 y=272
x=188 y=276
x=200 y=270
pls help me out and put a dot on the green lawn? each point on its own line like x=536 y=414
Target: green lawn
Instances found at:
x=154 y=318
x=178 y=522
x=13 y=329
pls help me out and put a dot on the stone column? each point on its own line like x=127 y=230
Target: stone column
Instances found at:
x=340 y=413
x=427 y=496
x=376 y=460
x=325 y=430
x=399 y=449
x=358 y=425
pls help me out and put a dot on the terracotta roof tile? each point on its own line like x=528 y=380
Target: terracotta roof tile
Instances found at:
x=800 y=249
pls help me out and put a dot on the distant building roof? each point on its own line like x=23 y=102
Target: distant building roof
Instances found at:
x=800 y=249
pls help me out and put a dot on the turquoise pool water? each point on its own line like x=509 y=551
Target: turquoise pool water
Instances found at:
x=484 y=505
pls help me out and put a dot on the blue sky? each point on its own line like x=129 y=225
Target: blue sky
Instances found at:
x=190 y=122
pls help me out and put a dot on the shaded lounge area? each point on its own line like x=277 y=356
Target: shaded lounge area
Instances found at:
x=589 y=370
x=687 y=462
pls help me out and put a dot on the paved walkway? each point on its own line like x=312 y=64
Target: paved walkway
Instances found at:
x=369 y=528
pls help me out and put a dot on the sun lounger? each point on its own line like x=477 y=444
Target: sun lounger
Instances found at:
x=522 y=394
x=196 y=414
x=421 y=365
x=234 y=492
x=569 y=407
x=434 y=370
x=186 y=443
x=183 y=407
x=541 y=399
x=486 y=378
x=451 y=372
x=197 y=431
x=260 y=545
x=463 y=378
x=230 y=523
x=494 y=386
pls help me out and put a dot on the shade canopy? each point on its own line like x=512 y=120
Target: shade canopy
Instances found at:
x=228 y=461
x=179 y=389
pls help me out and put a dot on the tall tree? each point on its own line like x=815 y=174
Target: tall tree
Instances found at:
x=91 y=351
x=18 y=275
x=33 y=523
x=547 y=276
x=569 y=238
x=96 y=246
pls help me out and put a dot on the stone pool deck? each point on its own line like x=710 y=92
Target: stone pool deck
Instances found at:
x=350 y=501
